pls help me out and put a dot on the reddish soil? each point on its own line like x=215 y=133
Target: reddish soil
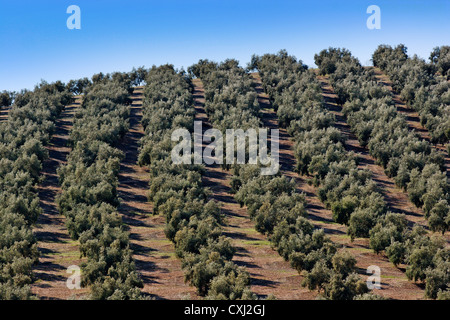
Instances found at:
x=270 y=274
x=396 y=198
x=58 y=250
x=4 y=113
x=411 y=116
x=154 y=254
x=394 y=283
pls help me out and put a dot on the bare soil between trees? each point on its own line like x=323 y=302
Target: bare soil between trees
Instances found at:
x=58 y=251
x=4 y=114
x=394 y=283
x=154 y=254
x=411 y=116
x=269 y=273
x=396 y=198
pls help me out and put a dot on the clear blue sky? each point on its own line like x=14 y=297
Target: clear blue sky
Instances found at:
x=118 y=35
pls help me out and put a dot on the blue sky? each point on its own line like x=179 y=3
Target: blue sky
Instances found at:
x=118 y=35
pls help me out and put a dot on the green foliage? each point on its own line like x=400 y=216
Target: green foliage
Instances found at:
x=193 y=224
x=343 y=209
x=333 y=284
x=438 y=278
x=138 y=76
x=79 y=86
x=389 y=229
x=22 y=139
x=369 y=296
x=440 y=57
x=89 y=183
x=6 y=98
x=427 y=261
x=396 y=252
x=318 y=277
x=216 y=277
x=360 y=223
x=344 y=263
x=340 y=288
x=419 y=260
x=439 y=219
x=327 y=59
x=349 y=192
x=418 y=85
x=319 y=150
x=233 y=286
x=370 y=110
x=384 y=55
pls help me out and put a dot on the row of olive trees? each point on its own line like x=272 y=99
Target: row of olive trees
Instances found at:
x=89 y=182
x=418 y=85
x=231 y=101
x=413 y=164
x=193 y=223
x=319 y=150
x=7 y=98
x=273 y=202
x=22 y=139
x=136 y=77
x=440 y=58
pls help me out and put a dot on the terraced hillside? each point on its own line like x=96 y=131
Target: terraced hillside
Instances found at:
x=363 y=182
x=58 y=251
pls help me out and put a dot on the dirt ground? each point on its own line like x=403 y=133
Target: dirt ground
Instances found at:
x=154 y=254
x=57 y=250
x=4 y=113
x=411 y=116
x=270 y=274
x=394 y=283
